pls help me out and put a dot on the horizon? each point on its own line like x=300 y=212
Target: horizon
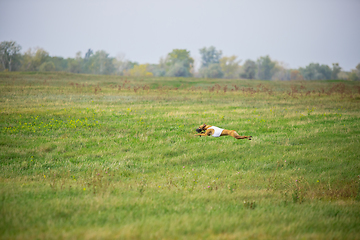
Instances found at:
x=146 y=31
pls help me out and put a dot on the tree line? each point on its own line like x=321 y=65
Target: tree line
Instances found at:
x=177 y=63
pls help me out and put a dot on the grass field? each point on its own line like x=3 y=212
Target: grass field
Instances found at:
x=104 y=157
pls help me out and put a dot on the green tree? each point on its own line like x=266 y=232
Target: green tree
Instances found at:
x=75 y=65
x=211 y=71
x=230 y=66
x=27 y=61
x=281 y=72
x=157 y=69
x=315 y=71
x=210 y=63
x=40 y=57
x=355 y=74
x=335 y=71
x=88 y=54
x=60 y=63
x=179 y=63
x=31 y=61
x=47 y=66
x=101 y=63
x=122 y=65
x=209 y=56
x=266 y=68
x=248 y=70
x=87 y=61
x=9 y=54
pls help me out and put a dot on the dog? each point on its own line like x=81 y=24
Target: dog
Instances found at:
x=207 y=130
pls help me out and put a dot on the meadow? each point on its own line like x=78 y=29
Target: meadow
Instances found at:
x=112 y=157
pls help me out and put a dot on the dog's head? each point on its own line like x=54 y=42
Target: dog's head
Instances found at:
x=201 y=128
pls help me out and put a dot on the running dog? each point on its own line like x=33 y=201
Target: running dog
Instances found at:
x=207 y=130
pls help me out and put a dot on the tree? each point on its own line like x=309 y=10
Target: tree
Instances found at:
x=122 y=65
x=60 y=63
x=101 y=63
x=31 y=61
x=40 y=57
x=355 y=74
x=209 y=56
x=335 y=71
x=357 y=70
x=230 y=66
x=75 y=65
x=178 y=70
x=140 y=71
x=210 y=63
x=280 y=71
x=179 y=63
x=248 y=70
x=157 y=69
x=315 y=71
x=266 y=68
x=88 y=54
x=47 y=66
x=87 y=61
x=9 y=52
x=211 y=71
x=27 y=63
x=295 y=75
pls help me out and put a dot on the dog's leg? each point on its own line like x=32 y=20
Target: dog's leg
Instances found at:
x=201 y=134
x=206 y=133
x=237 y=136
x=243 y=137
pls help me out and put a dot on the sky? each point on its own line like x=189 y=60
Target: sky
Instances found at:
x=296 y=32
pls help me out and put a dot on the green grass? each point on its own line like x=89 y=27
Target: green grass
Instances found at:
x=97 y=157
